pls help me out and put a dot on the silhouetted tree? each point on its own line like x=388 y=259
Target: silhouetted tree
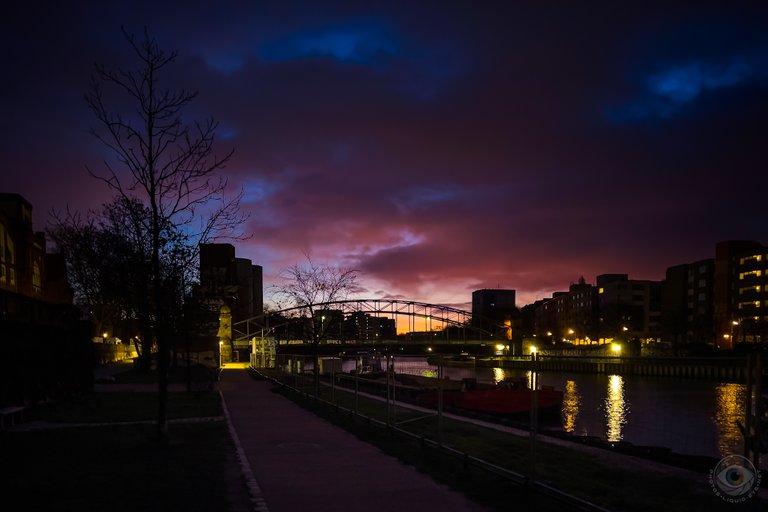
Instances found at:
x=170 y=167
x=312 y=287
x=107 y=266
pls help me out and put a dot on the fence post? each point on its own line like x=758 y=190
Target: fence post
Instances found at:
x=534 y=427
x=394 y=394
x=440 y=400
x=358 y=364
x=333 y=380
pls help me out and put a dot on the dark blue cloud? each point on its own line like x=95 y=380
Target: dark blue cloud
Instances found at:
x=366 y=43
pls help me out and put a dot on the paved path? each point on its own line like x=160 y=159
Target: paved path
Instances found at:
x=301 y=462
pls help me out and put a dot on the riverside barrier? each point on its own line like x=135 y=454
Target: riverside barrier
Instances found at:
x=722 y=369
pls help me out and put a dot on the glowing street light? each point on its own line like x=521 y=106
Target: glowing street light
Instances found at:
x=221 y=343
x=616 y=348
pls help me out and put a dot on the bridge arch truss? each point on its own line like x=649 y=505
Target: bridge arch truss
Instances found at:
x=419 y=314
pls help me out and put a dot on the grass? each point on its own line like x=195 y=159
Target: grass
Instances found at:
x=120 y=406
x=123 y=467
x=624 y=486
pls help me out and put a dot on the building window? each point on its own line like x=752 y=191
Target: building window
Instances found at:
x=702 y=283
x=749 y=259
x=702 y=297
x=11 y=251
x=751 y=273
x=2 y=274
x=702 y=269
x=12 y=276
x=36 y=280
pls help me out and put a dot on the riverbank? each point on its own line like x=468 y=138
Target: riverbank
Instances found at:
x=611 y=479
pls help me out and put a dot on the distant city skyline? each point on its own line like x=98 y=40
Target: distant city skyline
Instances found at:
x=439 y=148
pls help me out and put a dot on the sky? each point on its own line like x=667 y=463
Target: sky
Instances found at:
x=437 y=147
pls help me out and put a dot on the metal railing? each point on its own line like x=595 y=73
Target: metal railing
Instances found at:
x=385 y=390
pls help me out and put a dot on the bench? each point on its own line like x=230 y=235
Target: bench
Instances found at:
x=10 y=416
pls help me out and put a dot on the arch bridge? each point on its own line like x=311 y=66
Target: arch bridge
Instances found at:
x=419 y=314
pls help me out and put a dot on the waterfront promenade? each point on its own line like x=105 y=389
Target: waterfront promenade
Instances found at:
x=294 y=460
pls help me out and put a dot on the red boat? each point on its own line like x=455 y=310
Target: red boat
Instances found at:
x=509 y=396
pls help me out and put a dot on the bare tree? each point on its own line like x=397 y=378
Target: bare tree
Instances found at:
x=102 y=265
x=167 y=165
x=312 y=287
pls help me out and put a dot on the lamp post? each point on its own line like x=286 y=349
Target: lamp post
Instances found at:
x=221 y=343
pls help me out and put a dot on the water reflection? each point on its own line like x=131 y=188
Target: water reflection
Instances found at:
x=616 y=409
x=729 y=408
x=571 y=402
x=498 y=375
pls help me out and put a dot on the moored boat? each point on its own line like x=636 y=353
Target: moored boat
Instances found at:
x=510 y=396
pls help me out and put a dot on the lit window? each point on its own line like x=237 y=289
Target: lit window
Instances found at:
x=11 y=251
x=754 y=257
x=36 y=280
x=751 y=273
x=600 y=290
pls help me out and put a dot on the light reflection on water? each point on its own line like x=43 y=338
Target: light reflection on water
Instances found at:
x=729 y=402
x=616 y=409
x=685 y=415
x=571 y=403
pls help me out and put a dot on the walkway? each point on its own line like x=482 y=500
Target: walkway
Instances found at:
x=301 y=462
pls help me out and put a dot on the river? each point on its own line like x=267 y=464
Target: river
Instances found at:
x=694 y=417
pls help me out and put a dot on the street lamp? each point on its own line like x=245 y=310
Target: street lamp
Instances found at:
x=221 y=343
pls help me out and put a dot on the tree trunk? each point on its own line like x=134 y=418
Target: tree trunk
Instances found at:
x=316 y=371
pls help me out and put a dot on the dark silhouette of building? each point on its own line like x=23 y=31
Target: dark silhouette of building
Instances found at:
x=46 y=350
x=360 y=326
x=628 y=308
x=741 y=292
x=494 y=312
x=226 y=280
x=23 y=259
x=687 y=303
